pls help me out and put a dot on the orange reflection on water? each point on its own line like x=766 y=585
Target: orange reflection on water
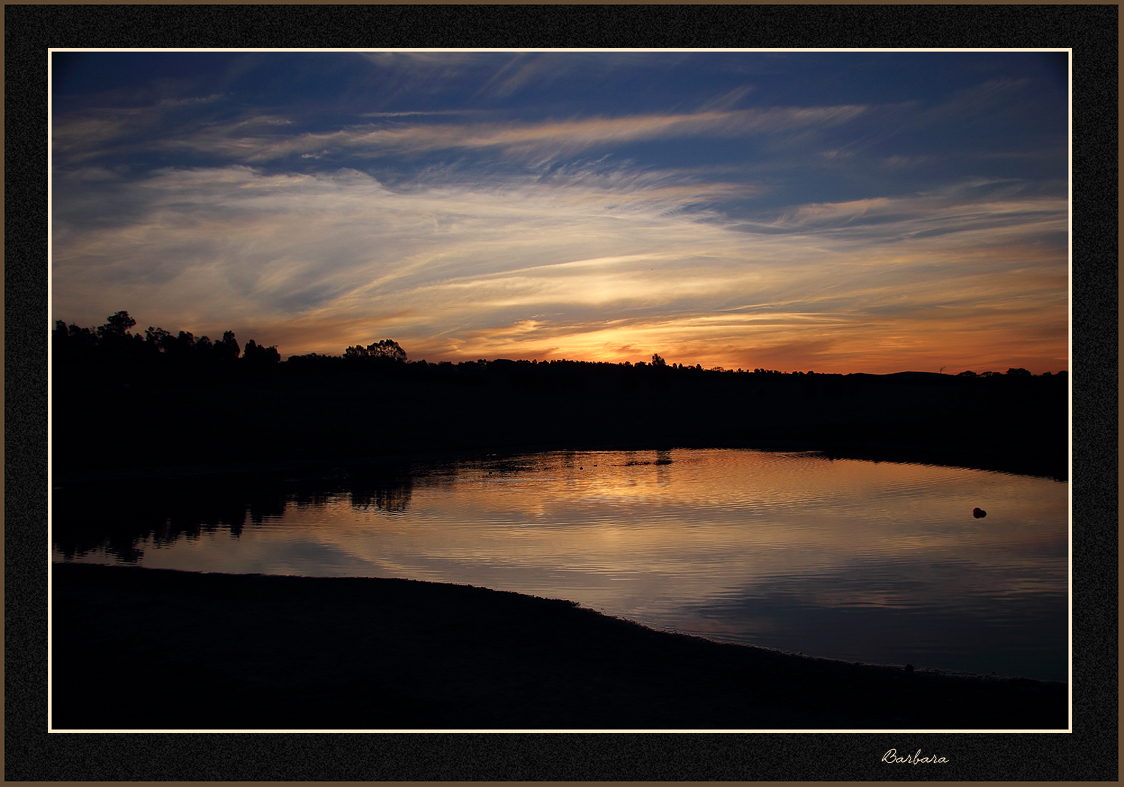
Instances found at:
x=742 y=545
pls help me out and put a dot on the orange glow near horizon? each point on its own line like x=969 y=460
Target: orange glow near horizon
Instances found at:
x=784 y=342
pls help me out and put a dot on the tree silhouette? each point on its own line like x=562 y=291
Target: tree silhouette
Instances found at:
x=116 y=325
x=228 y=346
x=158 y=337
x=387 y=348
x=260 y=355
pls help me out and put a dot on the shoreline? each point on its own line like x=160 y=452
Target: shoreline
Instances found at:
x=1006 y=425
x=319 y=467
x=226 y=651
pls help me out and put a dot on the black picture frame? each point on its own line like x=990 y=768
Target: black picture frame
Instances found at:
x=1088 y=753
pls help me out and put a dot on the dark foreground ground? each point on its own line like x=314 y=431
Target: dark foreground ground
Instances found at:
x=141 y=648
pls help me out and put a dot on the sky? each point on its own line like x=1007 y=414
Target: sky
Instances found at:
x=802 y=211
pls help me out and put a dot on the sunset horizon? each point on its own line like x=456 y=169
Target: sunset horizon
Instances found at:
x=836 y=212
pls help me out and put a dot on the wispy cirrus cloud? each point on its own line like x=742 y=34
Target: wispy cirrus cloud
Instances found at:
x=971 y=104
x=915 y=216
x=442 y=267
x=580 y=134
x=244 y=139
x=520 y=72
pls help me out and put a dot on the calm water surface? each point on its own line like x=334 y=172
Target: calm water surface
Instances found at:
x=845 y=559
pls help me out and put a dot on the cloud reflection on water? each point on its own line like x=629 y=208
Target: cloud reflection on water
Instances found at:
x=846 y=559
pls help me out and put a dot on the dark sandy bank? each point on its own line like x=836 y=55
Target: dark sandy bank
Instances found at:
x=143 y=648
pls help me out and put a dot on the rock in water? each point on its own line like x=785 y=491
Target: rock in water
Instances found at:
x=979 y=513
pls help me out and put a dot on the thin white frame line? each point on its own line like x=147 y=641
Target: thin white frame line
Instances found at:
x=516 y=50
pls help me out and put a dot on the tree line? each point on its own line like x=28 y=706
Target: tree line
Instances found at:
x=114 y=344
x=158 y=398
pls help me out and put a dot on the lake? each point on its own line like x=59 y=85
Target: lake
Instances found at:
x=845 y=559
